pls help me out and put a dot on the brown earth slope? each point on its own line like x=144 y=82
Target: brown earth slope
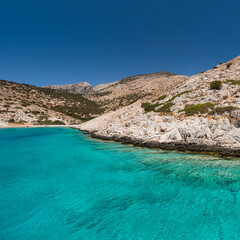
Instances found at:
x=20 y=103
x=121 y=93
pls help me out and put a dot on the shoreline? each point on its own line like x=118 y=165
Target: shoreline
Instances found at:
x=177 y=146
x=172 y=146
x=38 y=126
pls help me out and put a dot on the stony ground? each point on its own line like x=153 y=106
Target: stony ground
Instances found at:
x=190 y=113
x=121 y=93
x=22 y=103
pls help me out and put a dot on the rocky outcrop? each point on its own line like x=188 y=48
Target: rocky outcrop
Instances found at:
x=131 y=125
x=190 y=116
x=197 y=90
x=2 y=124
x=77 y=88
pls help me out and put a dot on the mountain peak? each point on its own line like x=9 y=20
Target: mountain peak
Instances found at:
x=77 y=88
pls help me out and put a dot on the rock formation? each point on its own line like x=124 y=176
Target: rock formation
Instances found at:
x=195 y=115
x=121 y=93
x=77 y=88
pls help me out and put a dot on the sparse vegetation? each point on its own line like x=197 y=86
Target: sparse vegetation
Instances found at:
x=21 y=122
x=35 y=112
x=42 y=117
x=222 y=110
x=228 y=65
x=49 y=122
x=101 y=94
x=198 y=108
x=234 y=82
x=166 y=107
x=157 y=74
x=216 y=85
x=178 y=95
x=148 y=107
x=74 y=105
x=11 y=120
x=162 y=97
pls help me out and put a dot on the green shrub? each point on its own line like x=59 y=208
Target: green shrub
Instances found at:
x=234 y=82
x=221 y=110
x=229 y=65
x=217 y=85
x=148 y=107
x=178 y=95
x=162 y=97
x=11 y=120
x=58 y=122
x=46 y=122
x=21 y=122
x=35 y=112
x=42 y=117
x=198 y=108
x=166 y=107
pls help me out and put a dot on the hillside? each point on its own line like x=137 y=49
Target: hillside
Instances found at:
x=202 y=114
x=77 y=88
x=121 y=93
x=22 y=103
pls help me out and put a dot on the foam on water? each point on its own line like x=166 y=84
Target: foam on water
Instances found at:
x=57 y=183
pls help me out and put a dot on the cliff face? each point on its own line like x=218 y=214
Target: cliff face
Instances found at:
x=203 y=111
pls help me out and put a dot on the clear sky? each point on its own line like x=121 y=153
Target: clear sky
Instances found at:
x=45 y=42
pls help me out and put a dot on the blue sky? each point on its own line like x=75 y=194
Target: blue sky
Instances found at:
x=60 y=42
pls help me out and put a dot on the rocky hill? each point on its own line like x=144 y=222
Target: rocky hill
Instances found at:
x=22 y=103
x=130 y=89
x=201 y=113
x=77 y=88
x=121 y=93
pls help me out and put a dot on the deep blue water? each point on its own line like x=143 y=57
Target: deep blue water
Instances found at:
x=57 y=183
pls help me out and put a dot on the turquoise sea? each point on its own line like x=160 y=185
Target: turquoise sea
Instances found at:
x=58 y=183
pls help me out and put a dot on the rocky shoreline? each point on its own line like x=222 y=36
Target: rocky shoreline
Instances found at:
x=174 y=145
x=37 y=126
x=196 y=134
x=178 y=146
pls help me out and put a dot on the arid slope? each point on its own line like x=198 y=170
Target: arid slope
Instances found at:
x=203 y=111
x=126 y=91
x=22 y=103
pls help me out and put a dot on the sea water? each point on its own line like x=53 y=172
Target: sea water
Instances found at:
x=58 y=183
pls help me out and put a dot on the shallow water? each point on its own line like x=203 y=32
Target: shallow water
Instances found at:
x=57 y=183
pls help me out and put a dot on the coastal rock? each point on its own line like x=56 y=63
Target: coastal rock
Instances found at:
x=2 y=124
x=172 y=135
x=170 y=132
